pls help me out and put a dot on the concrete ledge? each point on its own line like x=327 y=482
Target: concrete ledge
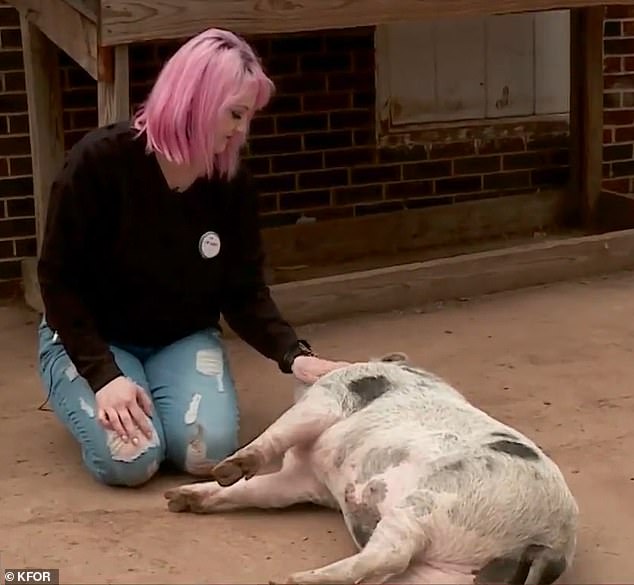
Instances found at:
x=467 y=275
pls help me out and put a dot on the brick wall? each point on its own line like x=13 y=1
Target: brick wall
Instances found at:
x=618 y=100
x=314 y=150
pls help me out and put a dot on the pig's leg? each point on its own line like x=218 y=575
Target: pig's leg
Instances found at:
x=388 y=552
x=302 y=423
x=295 y=483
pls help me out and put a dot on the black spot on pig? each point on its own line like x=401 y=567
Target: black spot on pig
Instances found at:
x=369 y=388
x=535 y=564
x=379 y=459
x=514 y=448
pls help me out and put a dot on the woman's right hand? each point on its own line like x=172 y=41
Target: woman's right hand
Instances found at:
x=122 y=407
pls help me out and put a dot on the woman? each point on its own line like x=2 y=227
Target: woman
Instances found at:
x=152 y=233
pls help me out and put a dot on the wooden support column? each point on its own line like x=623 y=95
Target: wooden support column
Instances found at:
x=113 y=85
x=43 y=89
x=586 y=111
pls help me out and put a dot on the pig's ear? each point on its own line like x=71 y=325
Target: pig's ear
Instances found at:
x=397 y=356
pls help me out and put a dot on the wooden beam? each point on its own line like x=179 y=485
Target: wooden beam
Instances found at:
x=125 y=21
x=445 y=279
x=89 y=8
x=113 y=88
x=68 y=28
x=44 y=96
x=382 y=236
x=586 y=110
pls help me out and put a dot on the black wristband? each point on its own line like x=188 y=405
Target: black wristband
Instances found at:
x=302 y=347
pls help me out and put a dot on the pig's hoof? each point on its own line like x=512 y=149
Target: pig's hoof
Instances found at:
x=231 y=470
x=181 y=500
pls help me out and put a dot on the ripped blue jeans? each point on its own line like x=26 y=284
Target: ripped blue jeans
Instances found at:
x=195 y=408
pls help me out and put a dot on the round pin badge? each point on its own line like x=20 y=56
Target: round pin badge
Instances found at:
x=209 y=245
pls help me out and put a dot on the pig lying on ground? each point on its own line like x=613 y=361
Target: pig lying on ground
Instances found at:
x=432 y=489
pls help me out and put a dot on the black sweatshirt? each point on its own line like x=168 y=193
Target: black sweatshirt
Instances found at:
x=127 y=260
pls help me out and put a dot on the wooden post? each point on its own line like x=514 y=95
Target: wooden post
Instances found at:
x=586 y=110
x=46 y=128
x=113 y=85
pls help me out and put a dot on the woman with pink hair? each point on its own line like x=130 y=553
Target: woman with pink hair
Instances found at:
x=152 y=233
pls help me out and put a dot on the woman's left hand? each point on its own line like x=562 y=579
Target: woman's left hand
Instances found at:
x=309 y=369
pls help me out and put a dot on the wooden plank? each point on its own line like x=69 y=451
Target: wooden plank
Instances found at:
x=469 y=275
x=89 y=8
x=113 y=88
x=68 y=28
x=586 y=109
x=44 y=96
x=124 y=21
x=552 y=62
x=413 y=229
x=509 y=65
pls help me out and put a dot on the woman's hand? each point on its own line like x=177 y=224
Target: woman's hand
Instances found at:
x=309 y=369
x=122 y=407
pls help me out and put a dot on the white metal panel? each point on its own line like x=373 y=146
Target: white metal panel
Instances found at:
x=473 y=69
x=411 y=72
x=509 y=58
x=552 y=62
x=460 y=69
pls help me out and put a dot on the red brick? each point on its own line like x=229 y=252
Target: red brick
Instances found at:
x=16 y=187
x=458 y=185
x=304 y=199
x=616 y=185
x=618 y=117
x=476 y=165
x=351 y=119
x=11 y=38
x=327 y=62
x=623 y=169
x=301 y=123
x=26 y=247
x=6 y=249
x=559 y=176
x=628 y=28
x=416 y=152
x=608 y=135
x=328 y=140
x=499 y=145
x=349 y=157
x=275 y=144
x=323 y=178
x=19 y=124
x=628 y=64
x=618 y=82
x=452 y=150
x=509 y=180
x=275 y=183
x=612 y=64
x=324 y=102
x=408 y=189
x=426 y=170
x=282 y=65
x=297 y=162
x=618 y=152
x=619 y=46
x=350 y=81
x=612 y=100
x=623 y=134
x=15 y=228
x=21 y=165
x=375 y=174
x=612 y=28
x=4 y=167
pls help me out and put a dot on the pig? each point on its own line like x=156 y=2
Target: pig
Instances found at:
x=431 y=488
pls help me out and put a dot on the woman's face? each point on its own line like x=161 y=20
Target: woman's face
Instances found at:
x=236 y=117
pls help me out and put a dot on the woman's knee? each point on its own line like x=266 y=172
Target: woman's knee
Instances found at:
x=194 y=447
x=116 y=463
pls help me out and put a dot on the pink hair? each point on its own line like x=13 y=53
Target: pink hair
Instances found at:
x=196 y=85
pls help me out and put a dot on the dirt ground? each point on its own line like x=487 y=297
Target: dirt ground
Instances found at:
x=554 y=361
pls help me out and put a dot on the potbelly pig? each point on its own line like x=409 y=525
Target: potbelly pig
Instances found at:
x=431 y=488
